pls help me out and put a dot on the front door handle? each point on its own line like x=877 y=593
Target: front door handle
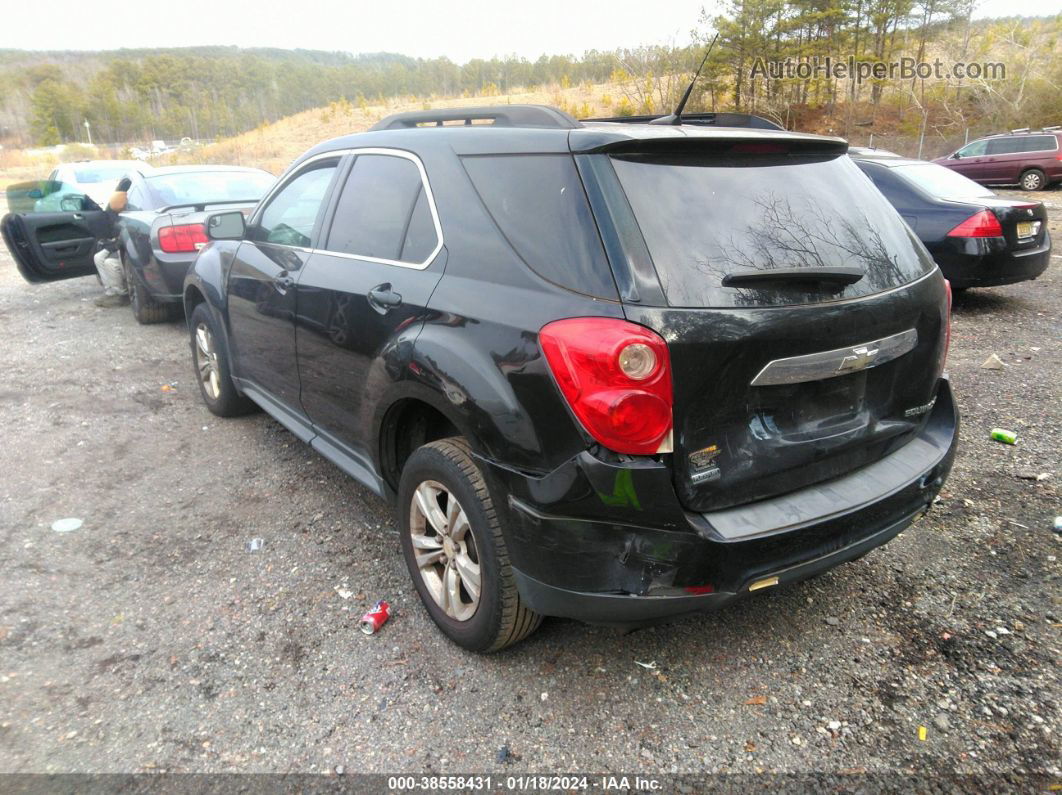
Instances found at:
x=283 y=281
x=383 y=299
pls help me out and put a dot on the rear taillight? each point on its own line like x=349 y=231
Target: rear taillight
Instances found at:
x=178 y=239
x=616 y=377
x=983 y=224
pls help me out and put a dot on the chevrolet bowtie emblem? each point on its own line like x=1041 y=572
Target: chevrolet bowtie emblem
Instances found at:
x=858 y=359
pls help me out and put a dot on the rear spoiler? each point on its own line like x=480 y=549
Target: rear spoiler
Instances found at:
x=704 y=120
x=738 y=144
x=200 y=206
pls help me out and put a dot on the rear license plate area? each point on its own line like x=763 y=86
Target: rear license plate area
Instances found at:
x=1028 y=229
x=812 y=409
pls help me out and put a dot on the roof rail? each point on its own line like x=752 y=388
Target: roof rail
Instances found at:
x=1052 y=128
x=497 y=115
x=1020 y=130
x=704 y=119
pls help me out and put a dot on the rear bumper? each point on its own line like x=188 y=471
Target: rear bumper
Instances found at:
x=978 y=263
x=164 y=279
x=614 y=608
x=606 y=570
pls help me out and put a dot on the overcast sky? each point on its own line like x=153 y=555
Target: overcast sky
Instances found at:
x=426 y=28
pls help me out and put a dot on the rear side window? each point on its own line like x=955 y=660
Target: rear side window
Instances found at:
x=705 y=218
x=893 y=190
x=939 y=181
x=1040 y=143
x=135 y=198
x=539 y=205
x=384 y=212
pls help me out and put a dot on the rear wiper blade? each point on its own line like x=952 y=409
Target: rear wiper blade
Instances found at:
x=840 y=275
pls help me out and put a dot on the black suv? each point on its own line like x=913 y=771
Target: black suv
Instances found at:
x=611 y=371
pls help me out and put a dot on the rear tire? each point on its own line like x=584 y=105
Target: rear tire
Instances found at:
x=443 y=477
x=210 y=363
x=1033 y=179
x=146 y=309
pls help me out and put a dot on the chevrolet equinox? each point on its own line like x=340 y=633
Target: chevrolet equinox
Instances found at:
x=610 y=370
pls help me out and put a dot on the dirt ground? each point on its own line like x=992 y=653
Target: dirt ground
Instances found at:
x=153 y=638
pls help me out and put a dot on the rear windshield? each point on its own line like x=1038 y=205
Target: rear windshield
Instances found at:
x=943 y=182
x=210 y=186
x=93 y=175
x=704 y=218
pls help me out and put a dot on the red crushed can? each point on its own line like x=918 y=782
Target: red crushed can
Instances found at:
x=372 y=621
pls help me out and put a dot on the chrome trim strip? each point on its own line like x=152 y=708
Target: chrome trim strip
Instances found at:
x=840 y=361
x=368 y=150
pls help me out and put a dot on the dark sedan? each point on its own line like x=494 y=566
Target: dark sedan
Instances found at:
x=52 y=229
x=977 y=238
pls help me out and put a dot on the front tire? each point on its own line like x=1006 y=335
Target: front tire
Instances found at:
x=146 y=309
x=455 y=551
x=212 y=370
x=1033 y=179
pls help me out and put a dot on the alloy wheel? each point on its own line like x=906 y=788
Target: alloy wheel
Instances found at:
x=445 y=550
x=1031 y=182
x=206 y=361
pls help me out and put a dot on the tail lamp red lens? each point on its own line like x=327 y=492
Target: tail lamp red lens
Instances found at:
x=184 y=238
x=616 y=378
x=982 y=224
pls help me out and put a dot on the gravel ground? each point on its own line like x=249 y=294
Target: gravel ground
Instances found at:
x=153 y=639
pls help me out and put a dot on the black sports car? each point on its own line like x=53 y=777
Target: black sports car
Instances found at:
x=52 y=228
x=977 y=238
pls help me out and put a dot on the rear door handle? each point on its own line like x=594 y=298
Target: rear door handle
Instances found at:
x=382 y=298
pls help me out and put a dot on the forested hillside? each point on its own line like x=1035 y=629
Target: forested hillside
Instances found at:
x=134 y=95
x=1029 y=49
x=214 y=92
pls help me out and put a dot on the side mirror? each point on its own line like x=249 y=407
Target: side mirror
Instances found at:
x=36 y=193
x=72 y=203
x=226 y=226
x=957 y=156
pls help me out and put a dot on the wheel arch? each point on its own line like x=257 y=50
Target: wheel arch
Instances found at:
x=208 y=275
x=1044 y=181
x=205 y=284
x=193 y=297
x=491 y=379
x=414 y=415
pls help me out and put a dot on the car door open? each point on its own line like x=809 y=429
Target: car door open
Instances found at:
x=51 y=232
